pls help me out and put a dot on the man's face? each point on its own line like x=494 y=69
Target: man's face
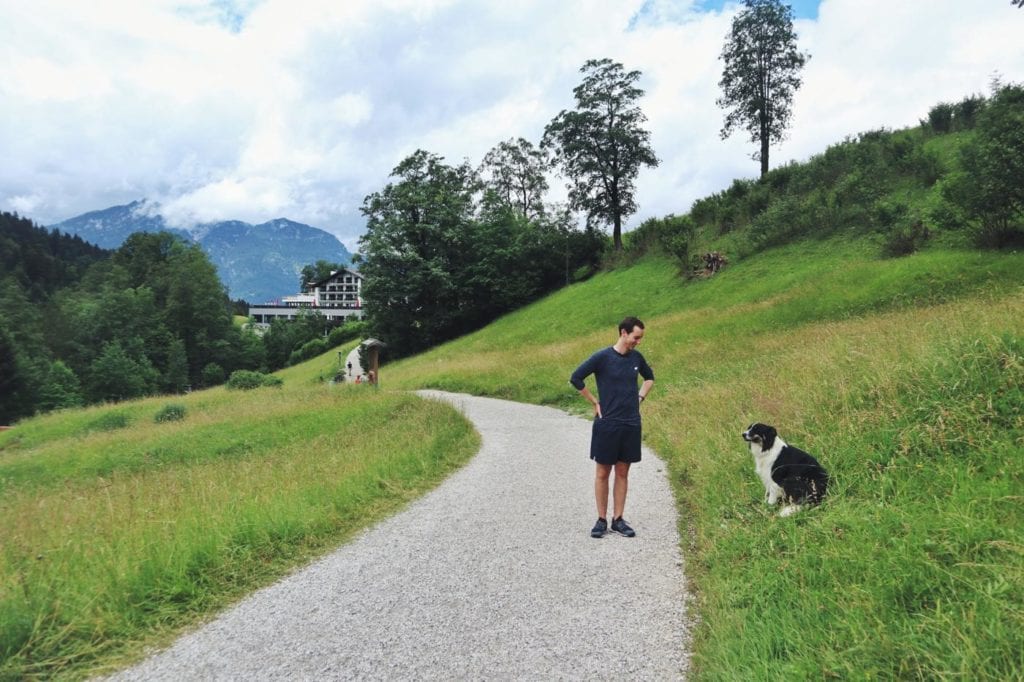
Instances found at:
x=632 y=339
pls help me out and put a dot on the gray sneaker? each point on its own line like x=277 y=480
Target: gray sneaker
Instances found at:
x=600 y=528
x=622 y=528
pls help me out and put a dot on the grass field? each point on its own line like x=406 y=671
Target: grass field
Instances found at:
x=905 y=376
x=119 y=531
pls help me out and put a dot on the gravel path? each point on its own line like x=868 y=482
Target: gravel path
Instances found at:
x=493 y=575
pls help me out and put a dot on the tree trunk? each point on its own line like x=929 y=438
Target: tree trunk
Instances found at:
x=764 y=152
x=617 y=232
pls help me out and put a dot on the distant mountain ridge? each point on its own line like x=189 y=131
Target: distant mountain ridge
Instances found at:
x=257 y=263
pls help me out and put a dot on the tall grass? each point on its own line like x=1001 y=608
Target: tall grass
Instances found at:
x=116 y=537
x=906 y=378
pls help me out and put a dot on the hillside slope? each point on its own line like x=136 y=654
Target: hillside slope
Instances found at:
x=906 y=377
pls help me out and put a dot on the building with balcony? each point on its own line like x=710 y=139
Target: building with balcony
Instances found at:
x=337 y=297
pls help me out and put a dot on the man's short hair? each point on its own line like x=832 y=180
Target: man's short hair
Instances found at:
x=630 y=323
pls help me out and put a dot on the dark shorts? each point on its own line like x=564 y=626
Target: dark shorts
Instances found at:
x=611 y=442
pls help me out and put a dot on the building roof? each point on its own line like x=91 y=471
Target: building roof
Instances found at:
x=336 y=273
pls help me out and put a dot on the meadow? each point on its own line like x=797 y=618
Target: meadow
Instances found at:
x=905 y=376
x=120 y=531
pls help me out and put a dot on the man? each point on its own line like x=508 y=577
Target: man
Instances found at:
x=615 y=440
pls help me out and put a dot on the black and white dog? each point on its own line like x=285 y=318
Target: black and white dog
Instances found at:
x=788 y=473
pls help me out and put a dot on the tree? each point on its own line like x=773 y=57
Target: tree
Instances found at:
x=991 y=187
x=317 y=271
x=61 y=388
x=761 y=74
x=418 y=239
x=601 y=144
x=12 y=379
x=118 y=374
x=514 y=175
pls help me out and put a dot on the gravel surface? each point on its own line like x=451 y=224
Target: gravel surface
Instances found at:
x=493 y=575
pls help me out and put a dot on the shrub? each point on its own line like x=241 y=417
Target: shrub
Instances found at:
x=906 y=239
x=170 y=413
x=965 y=112
x=244 y=380
x=213 y=374
x=349 y=331
x=940 y=117
x=887 y=213
x=308 y=350
x=109 y=421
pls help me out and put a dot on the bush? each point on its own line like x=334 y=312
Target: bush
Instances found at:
x=308 y=350
x=940 y=118
x=349 y=331
x=170 y=413
x=109 y=421
x=965 y=112
x=213 y=374
x=244 y=380
x=906 y=239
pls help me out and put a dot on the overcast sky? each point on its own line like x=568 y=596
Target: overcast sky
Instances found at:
x=259 y=109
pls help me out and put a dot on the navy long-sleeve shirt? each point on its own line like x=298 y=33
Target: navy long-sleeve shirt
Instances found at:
x=616 y=382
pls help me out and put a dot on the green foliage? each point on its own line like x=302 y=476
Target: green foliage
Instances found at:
x=514 y=178
x=601 y=144
x=437 y=265
x=308 y=350
x=145 y=318
x=672 y=235
x=945 y=117
x=286 y=336
x=110 y=421
x=244 y=380
x=213 y=375
x=41 y=260
x=990 y=188
x=61 y=389
x=940 y=117
x=349 y=331
x=119 y=374
x=761 y=74
x=316 y=272
x=13 y=383
x=172 y=412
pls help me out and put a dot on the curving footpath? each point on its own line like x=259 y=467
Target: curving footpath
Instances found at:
x=493 y=575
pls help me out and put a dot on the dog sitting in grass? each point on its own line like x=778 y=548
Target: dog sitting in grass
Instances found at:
x=789 y=474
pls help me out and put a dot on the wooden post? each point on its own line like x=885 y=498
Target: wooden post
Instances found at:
x=373 y=348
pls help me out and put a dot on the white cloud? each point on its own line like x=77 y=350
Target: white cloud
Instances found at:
x=256 y=110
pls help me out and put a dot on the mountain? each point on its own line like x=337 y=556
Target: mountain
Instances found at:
x=257 y=263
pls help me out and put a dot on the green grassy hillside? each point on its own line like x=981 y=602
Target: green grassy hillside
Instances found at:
x=120 y=530
x=906 y=377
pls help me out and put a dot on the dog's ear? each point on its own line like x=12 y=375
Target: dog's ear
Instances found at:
x=769 y=437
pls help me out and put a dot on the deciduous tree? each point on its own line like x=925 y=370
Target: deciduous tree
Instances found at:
x=761 y=74
x=514 y=172
x=315 y=272
x=418 y=238
x=601 y=144
x=991 y=187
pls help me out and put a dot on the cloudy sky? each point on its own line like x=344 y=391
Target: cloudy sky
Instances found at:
x=258 y=109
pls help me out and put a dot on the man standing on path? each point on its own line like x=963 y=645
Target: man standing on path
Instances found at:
x=615 y=440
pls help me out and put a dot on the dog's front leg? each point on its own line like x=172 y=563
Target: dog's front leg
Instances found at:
x=773 y=494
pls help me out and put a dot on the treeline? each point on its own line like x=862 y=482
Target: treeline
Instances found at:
x=446 y=250
x=957 y=176
x=80 y=325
